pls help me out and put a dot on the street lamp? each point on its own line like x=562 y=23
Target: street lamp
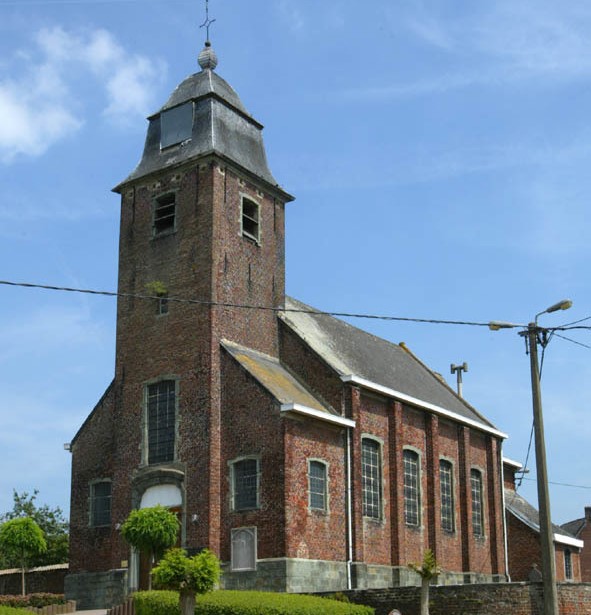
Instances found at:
x=538 y=335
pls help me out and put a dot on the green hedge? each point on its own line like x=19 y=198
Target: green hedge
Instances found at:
x=246 y=603
x=38 y=600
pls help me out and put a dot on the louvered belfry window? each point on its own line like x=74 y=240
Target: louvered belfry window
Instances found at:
x=161 y=421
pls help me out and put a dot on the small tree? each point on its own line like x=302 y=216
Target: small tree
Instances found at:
x=187 y=575
x=22 y=539
x=151 y=531
x=426 y=570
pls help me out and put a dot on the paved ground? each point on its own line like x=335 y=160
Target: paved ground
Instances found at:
x=94 y=612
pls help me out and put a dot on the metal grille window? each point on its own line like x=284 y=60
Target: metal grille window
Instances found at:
x=317 y=485
x=164 y=214
x=412 y=493
x=477 y=510
x=250 y=219
x=245 y=484
x=371 y=477
x=568 y=565
x=100 y=503
x=161 y=421
x=446 y=485
x=244 y=548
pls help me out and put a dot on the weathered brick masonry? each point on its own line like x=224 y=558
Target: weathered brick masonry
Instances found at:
x=284 y=431
x=490 y=599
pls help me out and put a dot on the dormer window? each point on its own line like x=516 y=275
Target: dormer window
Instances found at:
x=250 y=219
x=176 y=125
x=164 y=214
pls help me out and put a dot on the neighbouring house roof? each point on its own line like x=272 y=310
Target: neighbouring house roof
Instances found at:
x=526 y=513
x=293 y=396
x=375 y=363
x=574 y=527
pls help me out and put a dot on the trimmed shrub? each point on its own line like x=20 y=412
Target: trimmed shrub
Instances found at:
x=225 y=602
x=38 y=600
x=268 y=603
x=159 y=602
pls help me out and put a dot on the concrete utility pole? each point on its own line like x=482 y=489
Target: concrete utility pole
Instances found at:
x=458 y=369
x=546 y=532
x=539 y=335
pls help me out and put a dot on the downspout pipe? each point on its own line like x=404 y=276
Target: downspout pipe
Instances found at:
x=349 y=506
x=505 y=539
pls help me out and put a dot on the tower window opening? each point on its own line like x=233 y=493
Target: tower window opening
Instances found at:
x=176 y=125
x=250 y=219
x=164 y=214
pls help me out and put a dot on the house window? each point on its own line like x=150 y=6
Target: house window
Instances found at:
x=164 y=214
x=317 y=485
x=477 y=504
x=371 y=477
x=446 y=485
x=245 y=484
x=100 y=503
x=412 y=492
x=161 y=411
x=176 y=125
x=250 y=219
x=244 y=548
x=568 y=565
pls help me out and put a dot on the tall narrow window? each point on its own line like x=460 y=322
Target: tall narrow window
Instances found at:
x=477 y=507
x=371 y=478
x=244 y=548
x=245 y=484
x=164 y=214
x=163 y=304
x=446 y=485
x=568 y=565
x=250 y=219
x=412 y=492
x=161 y=412
x=317 y=485
x=100 y=503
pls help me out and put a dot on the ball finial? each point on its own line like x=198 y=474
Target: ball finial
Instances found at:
x=207 y=58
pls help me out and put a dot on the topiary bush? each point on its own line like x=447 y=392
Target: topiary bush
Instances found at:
x=225 y=602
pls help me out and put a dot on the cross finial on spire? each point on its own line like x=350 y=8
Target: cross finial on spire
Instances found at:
x=207 y=58
x=207 y=21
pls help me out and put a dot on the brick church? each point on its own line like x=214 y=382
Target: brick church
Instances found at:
x=306 y=453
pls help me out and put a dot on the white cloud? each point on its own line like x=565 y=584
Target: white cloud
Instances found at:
x=44 y=104
x=291 y=14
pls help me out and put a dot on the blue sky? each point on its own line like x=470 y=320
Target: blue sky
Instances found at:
x=439 y=153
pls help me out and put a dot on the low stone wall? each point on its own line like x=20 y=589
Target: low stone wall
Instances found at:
x=48 y=579
x=97 y=590
x=485 y=599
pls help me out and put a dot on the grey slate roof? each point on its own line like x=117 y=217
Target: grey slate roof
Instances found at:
x=574 y=527
x=274 y=377
x=352 y=351
x=524 y=511
x=221 y=125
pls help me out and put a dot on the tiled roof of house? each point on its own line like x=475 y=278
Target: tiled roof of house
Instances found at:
x=574 y=527
x=352 y=351
x=525 y=512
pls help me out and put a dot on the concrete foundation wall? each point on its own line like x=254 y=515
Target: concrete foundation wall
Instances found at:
x=97 y=590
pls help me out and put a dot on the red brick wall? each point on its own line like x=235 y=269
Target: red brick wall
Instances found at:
x=524 y=551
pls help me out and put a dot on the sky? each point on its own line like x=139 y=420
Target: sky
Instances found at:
x=439 y=153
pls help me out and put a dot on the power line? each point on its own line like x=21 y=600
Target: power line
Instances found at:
x=568 y=339
x=241 y=305
x=562 y=484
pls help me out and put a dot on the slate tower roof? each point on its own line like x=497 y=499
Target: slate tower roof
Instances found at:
x=203 y=115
